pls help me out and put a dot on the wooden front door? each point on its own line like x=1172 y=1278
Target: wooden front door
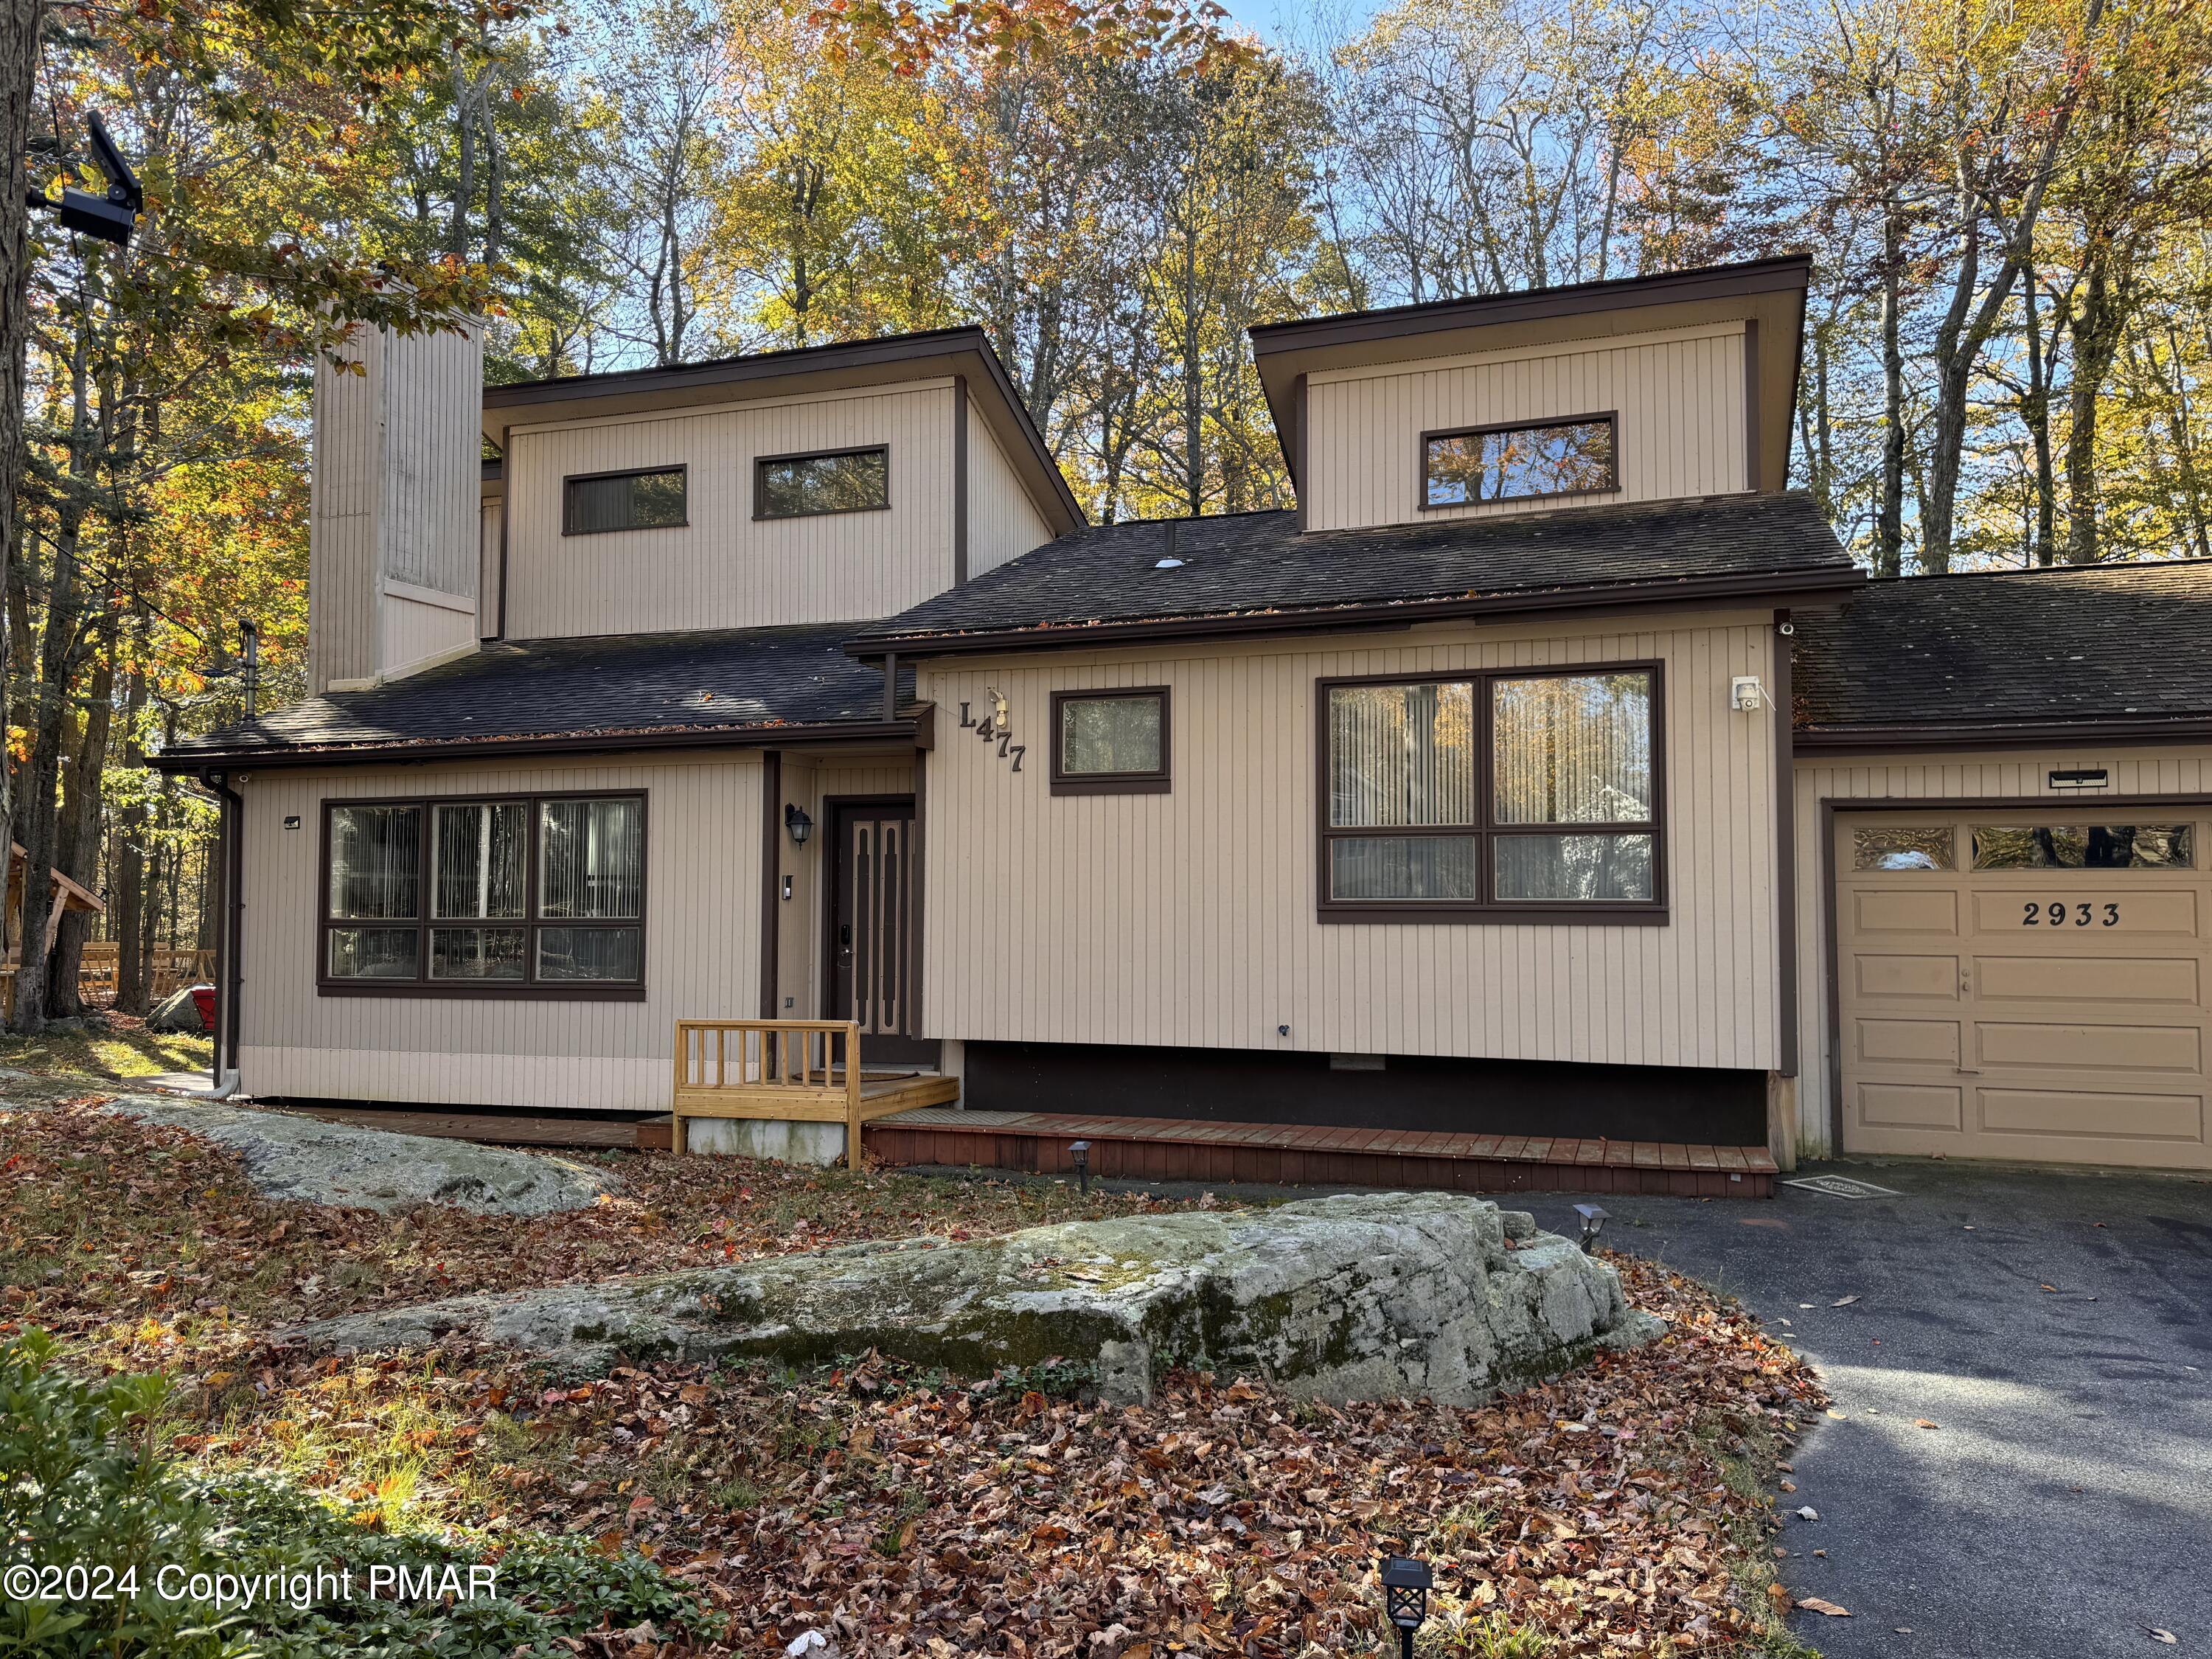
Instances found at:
x=874 y=952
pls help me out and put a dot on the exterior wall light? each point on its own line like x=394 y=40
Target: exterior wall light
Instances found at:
x=1594 y=1220
x=799 y=823
x=1406 y=1586
x=1080 y=1152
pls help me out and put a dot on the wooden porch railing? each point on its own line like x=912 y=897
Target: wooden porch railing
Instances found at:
x=792 y=1071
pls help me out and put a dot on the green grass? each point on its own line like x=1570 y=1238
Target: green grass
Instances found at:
x=106 y=1056
x=1750 y=1473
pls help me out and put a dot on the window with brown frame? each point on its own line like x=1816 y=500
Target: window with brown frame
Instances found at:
x=1110 y=742
x=1505 y=794
x=1521 y=461
x=596 y=503
x=511 y=895
x=833 y=481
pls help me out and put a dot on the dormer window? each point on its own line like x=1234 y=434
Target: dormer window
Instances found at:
x=596 y=502
x=1521 y=461
x=835 y=481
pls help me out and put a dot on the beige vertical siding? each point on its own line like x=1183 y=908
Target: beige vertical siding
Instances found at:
x=1188 y=918
x=344 y=496
x=417 y=628
x=1003 y=523
x=396 y=496
x=2020 y=775
x=725 y=569
x=433 y=387
x=1679 y=397
x=488 y=567
x=702 y=951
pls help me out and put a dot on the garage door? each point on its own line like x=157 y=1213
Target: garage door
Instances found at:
x=2012 y=985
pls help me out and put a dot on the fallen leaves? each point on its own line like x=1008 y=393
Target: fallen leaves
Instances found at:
x=1829 y=1609
x=880 y=1510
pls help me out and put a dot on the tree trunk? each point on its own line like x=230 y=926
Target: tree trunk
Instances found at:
x=1889 y=526
x=76 y=836
x=2097 y=328
x=20 y=24
x=37 y=816
x=2035 y=415
x=134 y=985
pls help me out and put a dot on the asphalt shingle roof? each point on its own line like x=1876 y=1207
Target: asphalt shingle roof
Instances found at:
x=737 y=680
x=2024 y=648
x=1250 y=563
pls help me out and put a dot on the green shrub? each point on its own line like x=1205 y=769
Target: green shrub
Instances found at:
x=81 y=1482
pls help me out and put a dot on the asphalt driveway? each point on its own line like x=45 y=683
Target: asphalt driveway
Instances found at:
x=2055 y=1326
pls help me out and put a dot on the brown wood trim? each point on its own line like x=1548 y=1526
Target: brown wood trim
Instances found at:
x=1611 y=417
x=959 y=480
x=506 y=513
x=1750 y=408
x=528 y=988
x=1119 y=783
x=1785 y=836
x=2084 y=807
x=1677 y=593
x=1302 y=408
x=824 y=734
x=771 y=883
x=1498 y=914
x=490 y=991
x=1779 y=274
x=568 y=525
x=1830 y=903
x=765 y=461
x=918 y=873
x=2066 y=734
x=1484 y=830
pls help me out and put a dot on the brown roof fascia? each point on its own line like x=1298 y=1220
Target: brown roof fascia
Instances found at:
x=2024 y=734
x=830 y=733
x=1529 y=305
x=1671 y=595
x=967 y=350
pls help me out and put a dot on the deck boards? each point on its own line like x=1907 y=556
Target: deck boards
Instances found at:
x=1189 y=1149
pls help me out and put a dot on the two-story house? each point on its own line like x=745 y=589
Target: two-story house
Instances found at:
x=1551 y=772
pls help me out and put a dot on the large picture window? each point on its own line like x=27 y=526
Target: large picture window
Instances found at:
x=1493 y=793
x=516 y=895
x=1519 y=463
x=836 y=481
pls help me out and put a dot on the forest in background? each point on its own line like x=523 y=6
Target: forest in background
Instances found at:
x=2006 y=204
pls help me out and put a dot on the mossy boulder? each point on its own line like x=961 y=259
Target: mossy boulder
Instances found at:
x=312 y=1161
x=1431 y=1294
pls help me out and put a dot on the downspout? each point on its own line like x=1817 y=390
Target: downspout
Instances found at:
x=229 y=936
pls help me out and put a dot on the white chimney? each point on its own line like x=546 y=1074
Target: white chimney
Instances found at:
x=394 y=512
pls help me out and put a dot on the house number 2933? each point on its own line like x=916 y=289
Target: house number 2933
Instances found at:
x=2057 y=913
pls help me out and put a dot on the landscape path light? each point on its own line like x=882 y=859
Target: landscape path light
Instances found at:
x=1080 y=1152
x=1594 y=1220
x=1406 y=1586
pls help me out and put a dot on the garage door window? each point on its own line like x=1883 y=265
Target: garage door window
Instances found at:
x=2083 y=847
x=1904 y=849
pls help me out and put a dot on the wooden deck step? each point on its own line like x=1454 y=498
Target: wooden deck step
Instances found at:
x=582 y=1130
x=1188 y=1149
